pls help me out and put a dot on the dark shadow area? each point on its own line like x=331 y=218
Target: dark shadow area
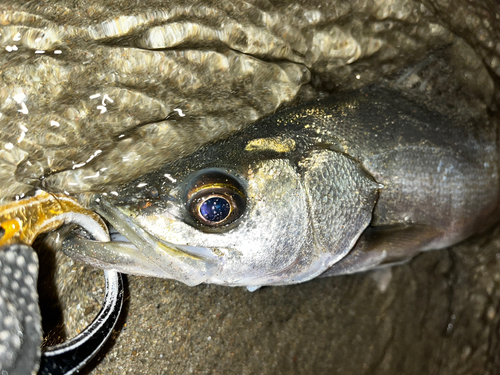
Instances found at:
x=50 y=304
x=55 y=329
x=120 y=325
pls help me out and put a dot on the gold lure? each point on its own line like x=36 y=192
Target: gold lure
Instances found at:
x=22 y=221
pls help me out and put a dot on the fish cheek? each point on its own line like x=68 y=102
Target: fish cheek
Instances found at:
x=342 y=196
x=271 y=235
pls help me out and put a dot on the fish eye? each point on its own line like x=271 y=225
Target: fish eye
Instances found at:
x=215 y=198
x=215 y=209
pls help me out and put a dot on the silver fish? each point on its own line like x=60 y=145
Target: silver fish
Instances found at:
x=357 y=181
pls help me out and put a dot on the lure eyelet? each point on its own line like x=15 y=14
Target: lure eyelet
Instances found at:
x=215 y=199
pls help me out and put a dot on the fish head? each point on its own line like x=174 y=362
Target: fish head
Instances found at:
x=248 y=211
x=249 y=217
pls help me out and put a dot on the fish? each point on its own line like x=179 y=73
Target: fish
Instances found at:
x=357 y=181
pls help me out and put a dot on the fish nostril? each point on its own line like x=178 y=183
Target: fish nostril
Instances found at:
x=153 y=192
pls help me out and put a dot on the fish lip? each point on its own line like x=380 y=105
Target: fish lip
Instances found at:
x=203 y=252
x=188 y=264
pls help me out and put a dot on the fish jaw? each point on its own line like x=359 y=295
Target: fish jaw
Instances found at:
x=145 y=254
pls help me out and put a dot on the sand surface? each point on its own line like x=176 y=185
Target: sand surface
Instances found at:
x=437 y=314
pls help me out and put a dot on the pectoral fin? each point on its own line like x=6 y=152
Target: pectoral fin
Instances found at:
x=384 y=246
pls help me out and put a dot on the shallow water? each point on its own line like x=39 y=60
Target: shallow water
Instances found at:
x=96 y=95
x=112 y=97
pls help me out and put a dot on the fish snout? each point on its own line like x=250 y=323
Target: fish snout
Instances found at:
x=141 y=253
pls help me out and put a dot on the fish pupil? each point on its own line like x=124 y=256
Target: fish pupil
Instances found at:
x=215 y=209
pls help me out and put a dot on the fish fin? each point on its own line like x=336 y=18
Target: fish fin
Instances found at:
x=380 y=247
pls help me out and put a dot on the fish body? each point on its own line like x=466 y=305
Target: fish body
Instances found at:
x=340 y=185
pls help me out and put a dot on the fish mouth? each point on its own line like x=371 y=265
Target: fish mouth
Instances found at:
x=144 y=254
